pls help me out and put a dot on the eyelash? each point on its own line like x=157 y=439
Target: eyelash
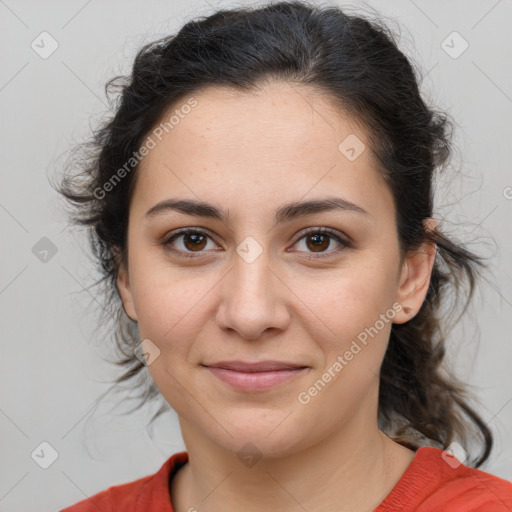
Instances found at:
x=317 y=231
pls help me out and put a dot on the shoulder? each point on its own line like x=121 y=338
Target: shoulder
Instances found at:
x=435 y=482
x=476 y=489
x=147 y=493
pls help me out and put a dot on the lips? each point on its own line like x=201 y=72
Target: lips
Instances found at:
x=262 y=366
x=255 y=377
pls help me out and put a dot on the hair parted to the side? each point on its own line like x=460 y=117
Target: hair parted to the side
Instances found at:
x=355 y=62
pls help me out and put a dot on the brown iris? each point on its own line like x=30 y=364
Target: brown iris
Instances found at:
x=317 y=244
x=198 y=241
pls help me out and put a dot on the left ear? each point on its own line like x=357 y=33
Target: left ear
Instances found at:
x=415 y=278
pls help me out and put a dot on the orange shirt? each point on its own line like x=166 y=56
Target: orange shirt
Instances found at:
x=429 y=484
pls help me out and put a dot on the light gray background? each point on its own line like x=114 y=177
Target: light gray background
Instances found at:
x=51 y=369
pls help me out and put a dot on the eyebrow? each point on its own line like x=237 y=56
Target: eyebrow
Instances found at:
x=285 y=213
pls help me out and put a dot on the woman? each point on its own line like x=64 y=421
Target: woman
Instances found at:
x=262 y=210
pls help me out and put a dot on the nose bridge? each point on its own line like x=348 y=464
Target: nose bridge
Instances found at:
x=251 y=270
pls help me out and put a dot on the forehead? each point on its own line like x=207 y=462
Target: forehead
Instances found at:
x=278 y=117
x=279 y=142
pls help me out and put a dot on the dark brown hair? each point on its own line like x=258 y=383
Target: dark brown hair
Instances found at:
x=357 y=63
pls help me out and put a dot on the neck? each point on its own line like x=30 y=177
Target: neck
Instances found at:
x=355 y=469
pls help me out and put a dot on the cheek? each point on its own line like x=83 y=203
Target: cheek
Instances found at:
x=172 y=306
x=359 y=312
x=356 y=299
x=361 y=315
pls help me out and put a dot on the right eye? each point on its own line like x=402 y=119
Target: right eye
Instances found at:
x=192 y=240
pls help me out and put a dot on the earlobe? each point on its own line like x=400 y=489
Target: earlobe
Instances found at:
x=123 y=285
x=415 y=281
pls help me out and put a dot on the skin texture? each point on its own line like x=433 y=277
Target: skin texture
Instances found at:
x=251 y=153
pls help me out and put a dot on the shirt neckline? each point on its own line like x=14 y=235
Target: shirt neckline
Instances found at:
x=422 y=470
x=419 y=473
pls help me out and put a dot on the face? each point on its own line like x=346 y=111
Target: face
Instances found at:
x=266 y=282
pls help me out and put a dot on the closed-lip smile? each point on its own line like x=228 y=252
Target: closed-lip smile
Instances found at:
x=261 y=366
x=257 y=376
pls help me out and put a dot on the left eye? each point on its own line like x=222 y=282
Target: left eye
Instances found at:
x=321 y=239
x=195 y=241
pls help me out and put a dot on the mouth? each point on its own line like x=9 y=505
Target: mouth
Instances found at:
x=259 y=376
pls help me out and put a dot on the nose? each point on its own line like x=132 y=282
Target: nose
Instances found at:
x=253 y=299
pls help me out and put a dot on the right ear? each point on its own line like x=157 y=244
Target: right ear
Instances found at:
x=123 y=285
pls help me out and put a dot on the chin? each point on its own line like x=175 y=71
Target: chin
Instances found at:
x=264 y=437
